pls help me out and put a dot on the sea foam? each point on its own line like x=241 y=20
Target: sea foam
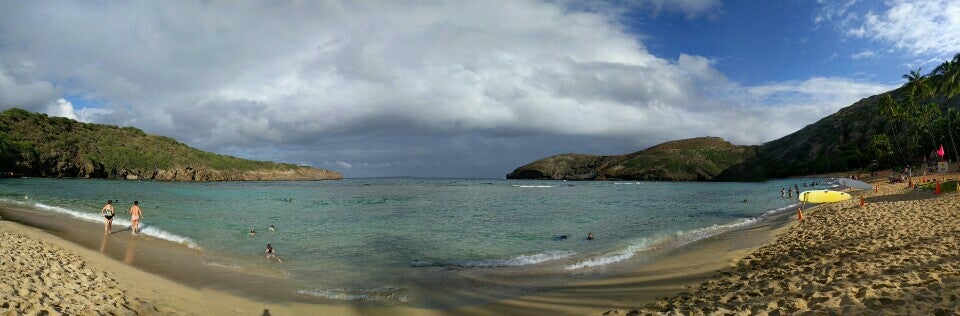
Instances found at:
x=145 y=229
x=521 y=260
x=679 y=239
x=386 y=295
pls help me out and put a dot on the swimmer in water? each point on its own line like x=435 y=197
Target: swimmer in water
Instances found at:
x=273 y=229
x=590 y=236
x=252 y=233
x=272 y=254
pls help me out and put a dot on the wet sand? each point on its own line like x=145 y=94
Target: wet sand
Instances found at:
x=44 y=273
x=897 y=255
x=663 y=272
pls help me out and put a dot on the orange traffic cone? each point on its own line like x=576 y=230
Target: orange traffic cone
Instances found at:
x=937 y=189
x=876 y=189
x=799 y=214
x=861 y=201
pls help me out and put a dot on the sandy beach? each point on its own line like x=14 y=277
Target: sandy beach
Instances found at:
x=898 y=254
x=895 y=255
x=43 y=274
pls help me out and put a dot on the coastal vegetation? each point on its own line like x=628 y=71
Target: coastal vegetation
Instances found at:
x=895 y=129
x=702 y=158
x=33 y=144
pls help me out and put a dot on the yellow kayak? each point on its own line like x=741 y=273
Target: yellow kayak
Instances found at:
x=823 y=196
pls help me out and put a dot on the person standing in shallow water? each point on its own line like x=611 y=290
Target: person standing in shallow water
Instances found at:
x=108 y=212
x=135 y=214
x=272 y=254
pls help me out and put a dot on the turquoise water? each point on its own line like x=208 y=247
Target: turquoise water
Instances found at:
x=377 y=239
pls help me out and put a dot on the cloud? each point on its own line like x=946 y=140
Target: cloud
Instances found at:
x=691 y=8
x=918 y=27
x=18 y=88
x=835 y=11
x=64 y=108
x=863 y=54
x=434 y=89
x=342 y=165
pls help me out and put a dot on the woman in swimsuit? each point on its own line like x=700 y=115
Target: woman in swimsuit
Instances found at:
x=135 y=215
x=108 y=213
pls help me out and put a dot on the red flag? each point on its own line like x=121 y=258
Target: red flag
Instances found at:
x=940 y=151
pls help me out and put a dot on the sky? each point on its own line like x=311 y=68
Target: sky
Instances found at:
x=469 y=89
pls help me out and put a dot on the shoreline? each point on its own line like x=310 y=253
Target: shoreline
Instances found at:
x=660 y=272
x=129 y=288
x=899 y=254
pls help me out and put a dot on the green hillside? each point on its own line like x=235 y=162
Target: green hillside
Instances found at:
x=33 y=144
x=702 y=158
x=890 y=130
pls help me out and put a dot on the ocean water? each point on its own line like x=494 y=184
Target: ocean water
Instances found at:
x=384 y=240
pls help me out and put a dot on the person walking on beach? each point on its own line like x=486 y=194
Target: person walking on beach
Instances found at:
x=272 y=254
x=783 y=192
x=135 y=215
x=108 y=212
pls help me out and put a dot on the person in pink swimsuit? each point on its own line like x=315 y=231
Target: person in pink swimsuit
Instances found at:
x=135 y=215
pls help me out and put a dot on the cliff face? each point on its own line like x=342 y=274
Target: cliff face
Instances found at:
x=36 y=145
x=190 y=174
x=702 y=158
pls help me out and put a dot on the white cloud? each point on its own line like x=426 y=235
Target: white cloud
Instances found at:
x=343 y=165
x=863 y=54
x=930 y=27
x=64 y=108
x=691 y=8
x=832 y=10
x=333 y=81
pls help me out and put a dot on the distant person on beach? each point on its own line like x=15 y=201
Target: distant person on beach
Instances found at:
x=108 y=212
x=790 y=193
x=135 y=215
x=252 y=233
x=783 y=192
x=590 y=236
x=272 y=254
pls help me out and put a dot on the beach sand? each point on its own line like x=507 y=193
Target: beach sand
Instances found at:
x=41 y=273
x=899 y=254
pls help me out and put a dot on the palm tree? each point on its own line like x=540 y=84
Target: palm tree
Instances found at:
x=893 y=112
x=949 y=86
x=918 y=84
